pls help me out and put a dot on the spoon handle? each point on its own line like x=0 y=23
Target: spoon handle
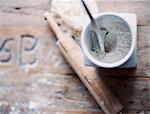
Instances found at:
x=95 y=27
x=87 y=10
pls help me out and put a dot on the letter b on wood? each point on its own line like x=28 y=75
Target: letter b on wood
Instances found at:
x=27 y=47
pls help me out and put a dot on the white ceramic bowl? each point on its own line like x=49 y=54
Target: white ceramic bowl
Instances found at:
x=84 y=44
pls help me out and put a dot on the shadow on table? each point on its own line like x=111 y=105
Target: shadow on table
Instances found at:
x=133 y=92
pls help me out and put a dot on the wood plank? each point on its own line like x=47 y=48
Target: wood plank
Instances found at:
x=45 y=47
x=37 y=8
x=84 y=112
x=128 y=89
x=26 y=3
x=30 y=12
x=35 y=83
x=25 y=19
x=90 y=112
x=38 y=69
x=47 y=40
x=139 y=7
x=46 y=91
x=39 y=28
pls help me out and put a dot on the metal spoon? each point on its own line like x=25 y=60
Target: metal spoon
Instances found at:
x=95 y=28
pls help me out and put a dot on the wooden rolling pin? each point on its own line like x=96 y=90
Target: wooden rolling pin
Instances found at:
x=88 y=75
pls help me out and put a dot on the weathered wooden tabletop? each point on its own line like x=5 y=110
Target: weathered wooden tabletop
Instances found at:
x=36 y=79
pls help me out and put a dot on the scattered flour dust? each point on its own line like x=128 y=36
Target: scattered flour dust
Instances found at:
x=32 y=105
x=59 y=113
x=117 y=42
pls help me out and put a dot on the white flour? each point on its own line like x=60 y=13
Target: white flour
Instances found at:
x=73 y=13
x=117 y=41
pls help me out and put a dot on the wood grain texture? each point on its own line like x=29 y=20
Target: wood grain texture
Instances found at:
x=43 y=34
x=44 y=48
x=21 y=89
x=39 y=92
x=139 y=7
x=92 y=81
x=27 y=22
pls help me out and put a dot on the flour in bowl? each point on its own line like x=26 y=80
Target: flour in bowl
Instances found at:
x=117 y=41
